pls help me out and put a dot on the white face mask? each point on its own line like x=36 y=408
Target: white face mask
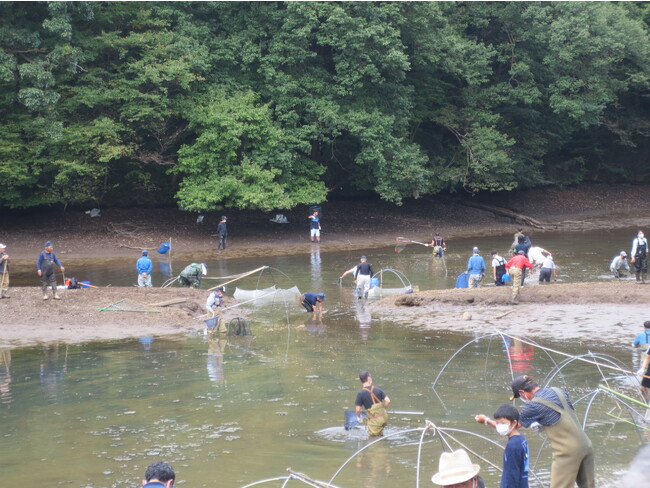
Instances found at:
x=640 y=235
x=504 y=429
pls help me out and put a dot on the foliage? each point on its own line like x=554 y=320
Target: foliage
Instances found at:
x=275 y=104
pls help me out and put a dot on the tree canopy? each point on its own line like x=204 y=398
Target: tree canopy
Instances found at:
x=269 y=105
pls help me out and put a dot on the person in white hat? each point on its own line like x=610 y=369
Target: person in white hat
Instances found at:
x=618 y=263
x=457 y=470
x=4 y=271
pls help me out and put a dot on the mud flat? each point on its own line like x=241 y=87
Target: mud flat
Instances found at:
x=605 y=312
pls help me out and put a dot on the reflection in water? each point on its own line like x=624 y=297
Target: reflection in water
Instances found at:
x=375 y=464
x=315 y=261
x=364 y=319
x=216 y=348
x=521 y=356
x=316 y=325
x=5 y=376
x=52 y=371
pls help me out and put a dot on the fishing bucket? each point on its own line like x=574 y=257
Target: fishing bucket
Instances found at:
x=374 y=282
x=351 y=420
x=164 y=247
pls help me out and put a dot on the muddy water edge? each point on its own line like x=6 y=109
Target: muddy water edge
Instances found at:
x=227 y=412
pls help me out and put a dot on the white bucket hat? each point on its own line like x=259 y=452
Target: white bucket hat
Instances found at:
x=455 y=467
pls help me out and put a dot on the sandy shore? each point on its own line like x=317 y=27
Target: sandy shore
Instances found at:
x=346 y=226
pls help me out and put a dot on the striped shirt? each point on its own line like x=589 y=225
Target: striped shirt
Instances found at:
x=536 y=412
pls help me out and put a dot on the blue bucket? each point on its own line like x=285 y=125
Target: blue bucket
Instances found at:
x=164 y=247
x=85 y=284
x=374 y=282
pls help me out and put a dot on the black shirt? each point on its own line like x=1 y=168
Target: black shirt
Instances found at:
x=364 y=398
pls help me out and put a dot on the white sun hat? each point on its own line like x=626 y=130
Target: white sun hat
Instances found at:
x=455 y=467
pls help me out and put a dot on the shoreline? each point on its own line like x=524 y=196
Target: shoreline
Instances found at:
x=359 y=225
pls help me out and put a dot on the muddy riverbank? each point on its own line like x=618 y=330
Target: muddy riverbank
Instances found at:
x=352 y=225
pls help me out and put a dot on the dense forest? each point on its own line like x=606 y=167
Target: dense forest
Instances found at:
x=274 y=104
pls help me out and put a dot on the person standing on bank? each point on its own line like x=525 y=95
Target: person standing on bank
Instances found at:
x=475 y=268
x=619 y=262
x=45 y=267
x=498 y=268
x=640 y=256
x=159 y=475
x=515 y=268
x=144 y=266
x=375 y=402
x=550 y=410
x=314 y=226
x=4 y=272
x=222 y=232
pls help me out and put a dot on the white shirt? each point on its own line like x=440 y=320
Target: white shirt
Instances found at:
x=548 y=263
x=636 y=242
x=500 y=261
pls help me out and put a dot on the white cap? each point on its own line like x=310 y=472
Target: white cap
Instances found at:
x=2 y=246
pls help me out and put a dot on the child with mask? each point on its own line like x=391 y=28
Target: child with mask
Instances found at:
x=515 y=456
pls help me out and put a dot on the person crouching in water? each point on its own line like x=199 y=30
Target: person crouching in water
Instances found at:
x=619 y=262
x=313 y=302
x=375 y=402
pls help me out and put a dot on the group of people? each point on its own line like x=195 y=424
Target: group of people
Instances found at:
x=639 y=259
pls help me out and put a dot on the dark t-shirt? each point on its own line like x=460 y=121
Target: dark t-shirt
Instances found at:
x=364 y=398
x=515 y=463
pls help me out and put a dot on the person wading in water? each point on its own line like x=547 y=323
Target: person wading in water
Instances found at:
x=375 y=402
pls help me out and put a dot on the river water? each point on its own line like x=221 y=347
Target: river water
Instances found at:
x=227 y=412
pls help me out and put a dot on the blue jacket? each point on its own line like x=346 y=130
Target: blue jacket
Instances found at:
x=475 y=265
x=144 y=265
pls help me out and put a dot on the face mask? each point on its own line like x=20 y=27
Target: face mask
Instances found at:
x=640 y=235
x=504 y=429
x=523 y=399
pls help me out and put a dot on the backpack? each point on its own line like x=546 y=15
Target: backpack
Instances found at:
x=73 y=284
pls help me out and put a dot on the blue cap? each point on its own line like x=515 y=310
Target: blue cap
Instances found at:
x=475 y=250
x=363 y=257
x=321 y=296
x=48 y=243
x=145 y=252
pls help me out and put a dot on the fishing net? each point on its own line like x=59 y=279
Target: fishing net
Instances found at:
x=239 y=327
x=266 y=295
x=127 y=305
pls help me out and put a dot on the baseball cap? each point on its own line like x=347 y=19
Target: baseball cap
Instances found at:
x=624 y=254
x=145 y=252
x=2 y=246
x=521 y=252
x=475 y=249
x=223 y=217
x=48 y=243
x=363 y=257
x=520 y=383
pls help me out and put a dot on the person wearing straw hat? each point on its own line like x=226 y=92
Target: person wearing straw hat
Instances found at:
x=550 y=410
x=4 y=272
x=45 y=267
x=456 y=469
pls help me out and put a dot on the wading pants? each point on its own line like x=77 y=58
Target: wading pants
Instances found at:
x=515 y=279
x=573 y=457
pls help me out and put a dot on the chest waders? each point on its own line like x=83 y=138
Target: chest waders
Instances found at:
x=377 y=417
x=47 y=274
x=641 y=261
x=573 y=457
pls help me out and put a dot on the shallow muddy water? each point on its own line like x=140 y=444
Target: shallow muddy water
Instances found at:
x=230 y=412
x=580 y=256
